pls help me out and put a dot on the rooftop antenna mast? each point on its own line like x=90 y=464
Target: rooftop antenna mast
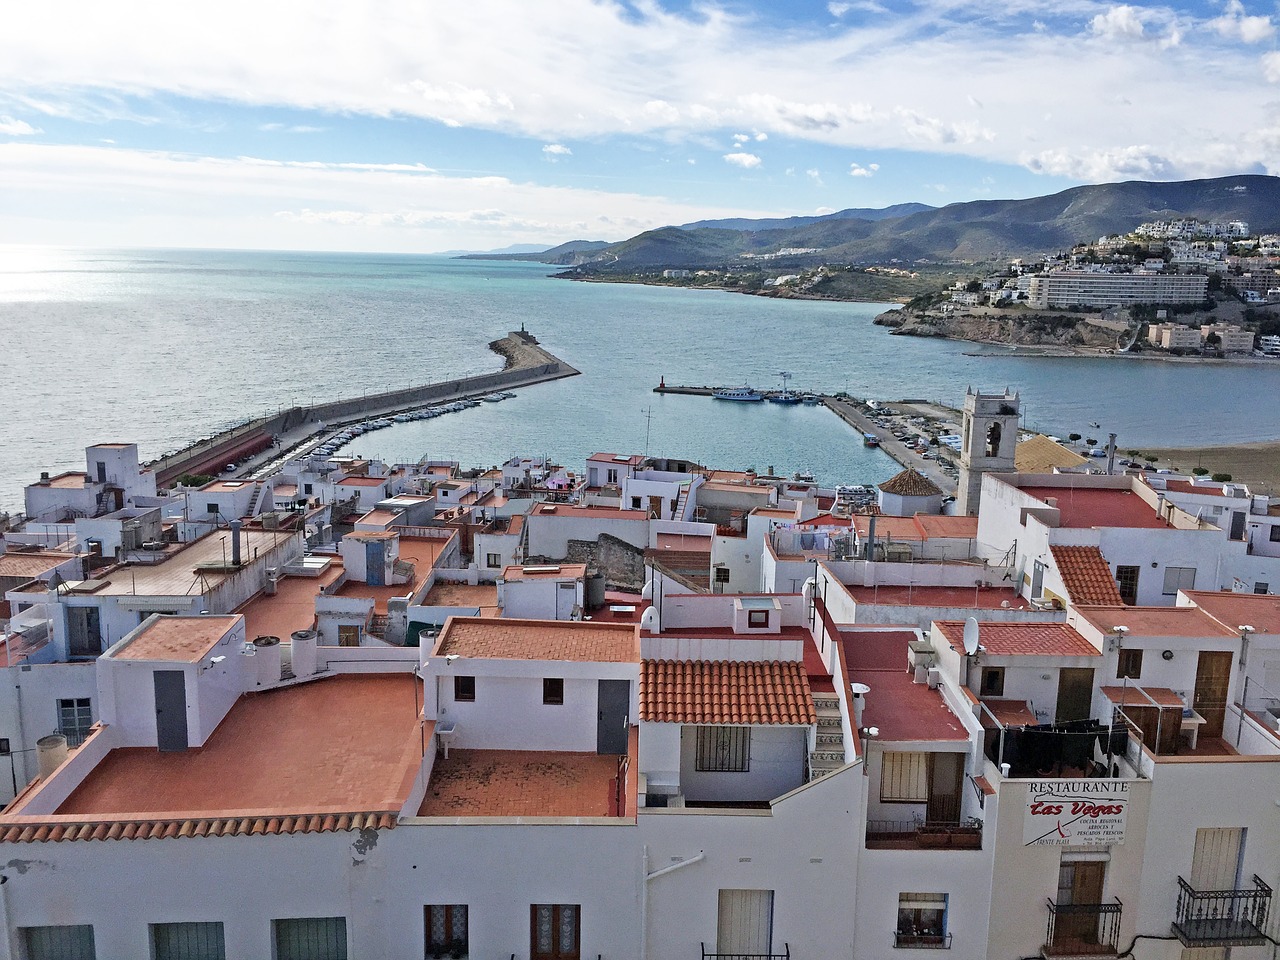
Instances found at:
x=648 y=424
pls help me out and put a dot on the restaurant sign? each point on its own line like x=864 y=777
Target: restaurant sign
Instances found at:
x=1078 y=813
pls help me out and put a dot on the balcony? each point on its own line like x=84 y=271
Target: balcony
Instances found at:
x=1222 y=918
x=785 y=955
x=1082 y=929
x=922 y=941
x=924 y=835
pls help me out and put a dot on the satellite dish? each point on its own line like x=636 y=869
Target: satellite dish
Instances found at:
x=970 y=637
x=859 y=689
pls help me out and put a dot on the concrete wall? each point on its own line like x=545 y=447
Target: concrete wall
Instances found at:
x=777 y=766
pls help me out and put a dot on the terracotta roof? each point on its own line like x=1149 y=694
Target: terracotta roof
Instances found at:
x=1023 y=639
x=954 y=528
x=30 y=565
x=362 y=482
x=1087 y=576
x=1156 y=621
x=599 y=513
x=490 y=639
x=1132 y=697
x=1039 y=454
x=725 y=691
x=551 y=571
x=39 y=830
x=910 y=483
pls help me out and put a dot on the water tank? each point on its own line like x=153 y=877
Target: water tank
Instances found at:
x=50 y=752
x=267 y=660
x=595 y=591
x=304 y=653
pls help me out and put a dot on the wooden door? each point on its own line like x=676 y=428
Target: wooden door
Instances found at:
x=1075 y=693
x=1079 y=884
x=745 y=923
x=1213 y=676
x=946 y=773
x=1215 y=864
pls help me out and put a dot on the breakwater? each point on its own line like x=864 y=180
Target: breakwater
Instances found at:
x=527 y=363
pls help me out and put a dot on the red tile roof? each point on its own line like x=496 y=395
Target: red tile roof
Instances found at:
x=911 y=483
x=725 y=691
x=1087 y=576
x=32 y=829
x=362 y=482
x=1023 y=639
x=490 y=639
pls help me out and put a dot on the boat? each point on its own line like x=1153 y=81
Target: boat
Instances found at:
x=786 y=396
x=508 y=395
x=743 y=394
x=870 y=440
x=809 y=400
x=493 y=398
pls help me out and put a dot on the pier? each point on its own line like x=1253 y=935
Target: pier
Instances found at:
x=276 y=435
x=847 y=409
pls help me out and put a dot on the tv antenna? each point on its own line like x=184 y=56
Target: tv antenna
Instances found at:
x=648 y=424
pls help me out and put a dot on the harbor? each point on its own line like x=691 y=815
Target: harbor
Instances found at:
x=892 y=427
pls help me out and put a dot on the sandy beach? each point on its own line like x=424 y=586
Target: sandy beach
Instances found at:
x=1257 y=464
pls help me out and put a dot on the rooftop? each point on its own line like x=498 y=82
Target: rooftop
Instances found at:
x=30 y=565
x=1156 y=621
x=910 y=483
x=518 y=783
x=483 y=596
x=1022 y=639
x=598 y=513
x=975 y=598
x=1260 y=611
x=339 y=745
x=382 y=517
x=1039 y=454
x=684 y=541
x=902 y=709
x=227 y=486
x=72 y=480
x=725 y=692
x=185 y=639
x=362 y=481
x=1086 y=507
x=292 y=607
x=178 y=576
x=1087 y=576
x=551 y=571
x=585 y=641
x=634 y=459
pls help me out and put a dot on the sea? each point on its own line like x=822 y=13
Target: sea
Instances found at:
x=161 y=347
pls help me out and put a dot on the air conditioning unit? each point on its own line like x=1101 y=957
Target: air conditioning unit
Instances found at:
x=934 y=678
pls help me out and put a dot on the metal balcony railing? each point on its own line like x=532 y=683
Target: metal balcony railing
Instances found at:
x=1077 y=929
x=785 y=955
x=922 y=941
x=1222 y=918
x=924 y=834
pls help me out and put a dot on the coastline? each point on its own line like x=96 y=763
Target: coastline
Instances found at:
x=1255 y=463
x=720 y=288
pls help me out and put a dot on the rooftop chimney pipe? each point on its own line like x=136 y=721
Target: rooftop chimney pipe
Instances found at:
x=235 y=543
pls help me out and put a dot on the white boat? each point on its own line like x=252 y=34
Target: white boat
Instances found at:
x=508 y=394
x=742 y=394
x=493 y=398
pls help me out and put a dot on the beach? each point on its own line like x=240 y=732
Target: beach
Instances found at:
x=1257 y=464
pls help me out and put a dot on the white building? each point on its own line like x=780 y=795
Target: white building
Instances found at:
x=1064 y=288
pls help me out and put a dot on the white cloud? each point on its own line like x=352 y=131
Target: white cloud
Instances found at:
x=554 y=151
x=1126 y=163
x=1118 y=23
x=816 y=176
x=739 y=139
x=857 y=170
x=748 y=161
x=16 y=128
x=1271 y=66
x=823 y=211
x=838 y=10
x=761 y=137
x=1235 y=24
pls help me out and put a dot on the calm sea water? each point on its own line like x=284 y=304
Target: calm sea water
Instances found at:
x=161 y=347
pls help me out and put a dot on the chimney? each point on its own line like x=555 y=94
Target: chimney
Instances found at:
x=871 y=537
x=859 y=691
x=235 y=543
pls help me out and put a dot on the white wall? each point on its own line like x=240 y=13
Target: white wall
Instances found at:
x=777 y=766
x=549 y=534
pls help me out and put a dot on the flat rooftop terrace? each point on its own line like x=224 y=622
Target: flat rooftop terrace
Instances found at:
x=340 y=745
x=292 y=608
x=1083 y=508
x=482 y=597
x=977 y=598
x=517 y=783
x=903 y=709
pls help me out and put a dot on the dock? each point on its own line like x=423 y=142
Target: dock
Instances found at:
x=846 y=408
x=274 y=436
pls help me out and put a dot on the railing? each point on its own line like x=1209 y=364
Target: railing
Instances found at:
x=1221 y=918
x=924 y=834
x=919 y=941
x=1077 y=929
x=75 y=736
x=785 y=955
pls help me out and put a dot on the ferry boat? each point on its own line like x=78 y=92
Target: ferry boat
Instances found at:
x=809 y=400
x=745 y=394
x=786 y=396
x=870 y=440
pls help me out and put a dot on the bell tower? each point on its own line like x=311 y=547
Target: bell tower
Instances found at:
x=989 y=439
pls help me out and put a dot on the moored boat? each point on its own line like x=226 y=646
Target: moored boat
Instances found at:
x=745 y=394
x=870 y=440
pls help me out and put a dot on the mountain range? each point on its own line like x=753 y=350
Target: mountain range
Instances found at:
x=973 y=231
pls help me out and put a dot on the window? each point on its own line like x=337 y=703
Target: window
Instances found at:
x=611 y=476
x=306 y=488
x=722 y=574
x=922 y=920
x=75 y=717
x=1178 y=578
x=464 y=689
x=554 y=931
x=1261 y=586
x=493 y=560
x=57 y=943
x=552 y=690
x=187 y=941
x=635 y=503
x=348 y=635
x=1127 y=581
x=723 y=750
x=446 y=930
x=310 y=938
x=904 y=778
x=1129 y=664
x=992 y=683
x=210 y=508
x=1275 y=534
x=757 y=618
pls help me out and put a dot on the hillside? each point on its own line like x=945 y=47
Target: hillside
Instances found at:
x=977 y=230
x=788 y=223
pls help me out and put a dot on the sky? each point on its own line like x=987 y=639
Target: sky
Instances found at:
x=416 y=126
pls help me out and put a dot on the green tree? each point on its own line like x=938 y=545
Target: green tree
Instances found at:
x=1222 y=477
x=1200 y=471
